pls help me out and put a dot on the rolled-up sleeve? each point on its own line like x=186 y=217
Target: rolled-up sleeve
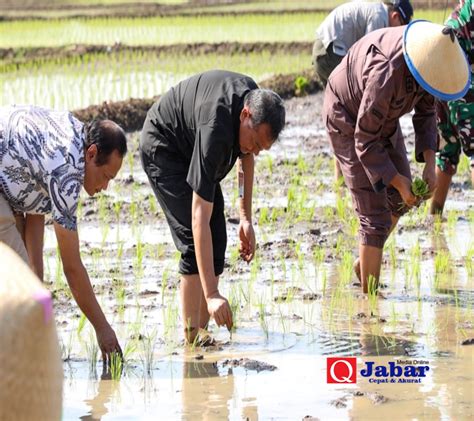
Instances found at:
x=373 y=111
x=424 y=124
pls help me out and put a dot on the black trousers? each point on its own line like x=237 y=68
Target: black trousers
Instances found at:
x=175 y=198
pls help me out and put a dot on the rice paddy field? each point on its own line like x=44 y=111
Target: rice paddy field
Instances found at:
x=299 y=302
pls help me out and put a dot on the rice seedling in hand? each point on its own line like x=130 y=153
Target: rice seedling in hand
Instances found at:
x=420 y=188
x=116 y=365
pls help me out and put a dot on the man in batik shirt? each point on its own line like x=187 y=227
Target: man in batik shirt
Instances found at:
x=455 y=118
x=46 y=157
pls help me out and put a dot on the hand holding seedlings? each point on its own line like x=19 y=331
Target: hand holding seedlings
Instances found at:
x=108 y=343
x=219 y=308
x=403 y=185
x=420 y=189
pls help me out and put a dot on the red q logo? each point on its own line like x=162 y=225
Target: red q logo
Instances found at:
x=342 y=370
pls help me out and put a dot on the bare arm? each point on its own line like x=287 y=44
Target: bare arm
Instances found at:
x=218 y=306
x=34 y=241
x=246 y=232
x=81 y=289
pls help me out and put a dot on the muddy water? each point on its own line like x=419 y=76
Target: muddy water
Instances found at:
x=298 y=304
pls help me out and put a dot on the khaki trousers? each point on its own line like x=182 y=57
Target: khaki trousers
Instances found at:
x=9 y=233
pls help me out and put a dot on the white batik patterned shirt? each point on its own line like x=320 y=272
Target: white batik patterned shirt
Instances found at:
x=42 y=162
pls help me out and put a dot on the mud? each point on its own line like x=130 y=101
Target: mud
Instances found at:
x=251 y=365
x=47 y=11
x=304 y=248
x=20 y=56
x=131 y=114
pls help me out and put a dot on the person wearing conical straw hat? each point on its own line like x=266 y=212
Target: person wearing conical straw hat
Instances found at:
x=344 y=26
x=46 y=158
x=456 y=117
x=31 y=372
x=385 y=75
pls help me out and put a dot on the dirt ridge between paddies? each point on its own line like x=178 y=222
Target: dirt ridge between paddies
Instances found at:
x=24 y=55
x=142 y=10
x=131 y=113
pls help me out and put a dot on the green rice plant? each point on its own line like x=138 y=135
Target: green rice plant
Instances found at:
x=470 y=261
x=171 y=316
x=340 y=242
x=372 y=294
x=66 y=347
x=81 y=324
x=392 y=252
x=138 y=263
x=118 y=209
x=269 y=163
x=324 y=280
x=438 y=225
x=442 y=262
x=234 y=303
x=464 y=168
x=262 y=317
x=161 y=30
x=319 y=254
x=59 y=278
x=346 y=268
x=92 y=350
x=264 y=216
x=116 y=366
x=301 y=86
x=420 y=188
x=152 y=204
x=147 y=347
x=452 y=219
x=164 y=283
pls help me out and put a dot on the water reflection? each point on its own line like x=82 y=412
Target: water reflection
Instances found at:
x=106 y=389
x=206 y=393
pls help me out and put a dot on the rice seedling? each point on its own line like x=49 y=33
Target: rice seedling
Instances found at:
x=147 y=347
x=262 y=316
x=420 y=188
x=470 y=261
x=161 y=30
x=66 y=347
x=92 y=350
x=116 y=365
x=81 y=324
x=372 y=294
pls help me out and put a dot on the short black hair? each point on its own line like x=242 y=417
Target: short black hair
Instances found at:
x=108 y=136
x=403 y=8
x=267 y=107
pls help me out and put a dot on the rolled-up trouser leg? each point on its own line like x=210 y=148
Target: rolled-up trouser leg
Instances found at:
x=9 y=233
x=374 y=215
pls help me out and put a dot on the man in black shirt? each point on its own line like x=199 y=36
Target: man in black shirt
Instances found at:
x=191 y=139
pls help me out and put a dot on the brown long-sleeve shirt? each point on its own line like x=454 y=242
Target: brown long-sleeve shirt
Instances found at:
x=365 y=97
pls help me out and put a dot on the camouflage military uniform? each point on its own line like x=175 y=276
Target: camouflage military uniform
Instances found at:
x=456 y=118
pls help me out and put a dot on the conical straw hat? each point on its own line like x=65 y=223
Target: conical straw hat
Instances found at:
x=436 y=60
x=31 y=374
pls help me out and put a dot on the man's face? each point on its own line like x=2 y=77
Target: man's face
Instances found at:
x=253 y=139
x=96 y=177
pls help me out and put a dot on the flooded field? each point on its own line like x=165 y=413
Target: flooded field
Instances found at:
x=296 y=304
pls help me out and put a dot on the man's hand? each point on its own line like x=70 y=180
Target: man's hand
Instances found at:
x=429 y=175
x=247 y=241
x=219 y=308
x=108 y=342
x=403 y=185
